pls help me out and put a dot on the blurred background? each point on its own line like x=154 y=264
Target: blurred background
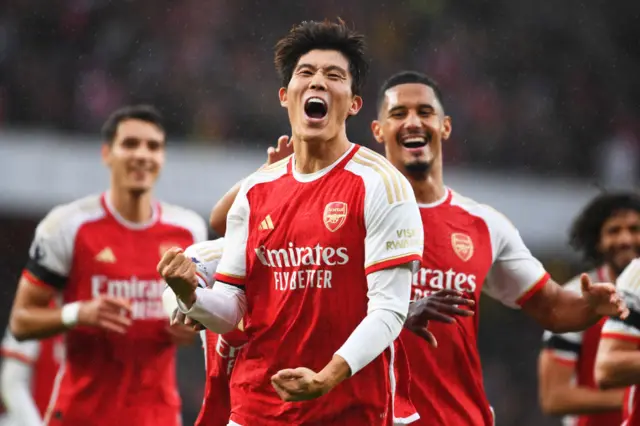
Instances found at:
x=543 y=95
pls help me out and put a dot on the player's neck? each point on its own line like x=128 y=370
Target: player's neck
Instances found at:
x=610 y=274
x=133 y=207
x=428 y=189
x=311 y=157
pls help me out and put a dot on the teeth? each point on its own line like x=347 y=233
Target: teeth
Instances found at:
x=315 y=101
x=415 y=139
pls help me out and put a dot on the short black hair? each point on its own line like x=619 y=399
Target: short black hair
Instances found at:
x=147 y=113
x=326 y=35
x=584 y=235
x=408 y=77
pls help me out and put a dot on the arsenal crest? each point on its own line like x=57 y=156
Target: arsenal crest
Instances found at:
x=335 y=214
x=462 y=245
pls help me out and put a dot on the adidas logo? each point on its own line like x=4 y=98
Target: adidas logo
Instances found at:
x=266 y=224
x=106 y=256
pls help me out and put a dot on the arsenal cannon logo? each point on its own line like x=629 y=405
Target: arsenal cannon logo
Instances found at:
x=335 y=214
x=462 y=245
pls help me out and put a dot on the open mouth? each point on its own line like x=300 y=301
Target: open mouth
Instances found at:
x=413 y=142
x=315 y=108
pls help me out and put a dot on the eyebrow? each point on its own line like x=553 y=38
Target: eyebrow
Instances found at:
x=401 y=107
x=326 y=69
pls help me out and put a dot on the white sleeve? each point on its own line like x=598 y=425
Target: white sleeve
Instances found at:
x=26 y=351
x=51 y=251
x=384 y=320
x=206 y=256
x=516 y=274
x=394 y=226
x=15 y=387
x=219 y=309
x=563 y=346
x=232 y=266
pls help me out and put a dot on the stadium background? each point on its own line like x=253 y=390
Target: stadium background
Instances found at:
x=544 y=100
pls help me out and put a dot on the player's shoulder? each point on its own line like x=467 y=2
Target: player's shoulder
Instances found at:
x=183 y=217
x=495 y=220
x=629 y=279
x=69 y=215
x=266 y=174
x=381 y=179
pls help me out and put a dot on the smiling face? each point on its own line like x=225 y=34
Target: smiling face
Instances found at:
x=412 y=126
x=135 y=156
x=319 y=97
x=620 y=239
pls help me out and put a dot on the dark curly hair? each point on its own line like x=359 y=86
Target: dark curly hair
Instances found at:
x=326 y=35
x=584 y=235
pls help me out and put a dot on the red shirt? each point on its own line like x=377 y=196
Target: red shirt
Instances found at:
x=302 y=247
x=85 y=249
x=471 y=248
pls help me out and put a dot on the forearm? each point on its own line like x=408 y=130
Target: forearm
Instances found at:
x=36 y=322
x=219 y=309
x=560 y=310
x=618 y=369
x=581 y=400
x=16 y=393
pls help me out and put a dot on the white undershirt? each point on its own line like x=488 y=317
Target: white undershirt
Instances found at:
x=15 y=387
x=221 y=308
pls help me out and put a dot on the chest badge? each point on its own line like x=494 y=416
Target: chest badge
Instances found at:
x=462 y=245
x=335 y=214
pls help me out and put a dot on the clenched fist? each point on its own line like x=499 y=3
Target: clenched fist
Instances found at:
x=179 y=272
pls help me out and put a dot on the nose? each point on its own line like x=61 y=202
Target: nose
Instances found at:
x=625 y=237
x=413 y=121
x=318 y=82
x=141 y=152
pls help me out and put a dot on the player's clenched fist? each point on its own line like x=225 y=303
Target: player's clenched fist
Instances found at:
x=108 y=313
x=179 y=272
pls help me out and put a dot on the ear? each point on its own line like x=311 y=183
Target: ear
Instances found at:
x=446 y=127
x=106 y=153
x=282 y=94
x=376 y=129
x=356 y=105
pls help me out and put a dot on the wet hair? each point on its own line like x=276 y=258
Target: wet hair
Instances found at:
x=408 y=77
x=584 y=235
x=146 y=113
x=325 y=35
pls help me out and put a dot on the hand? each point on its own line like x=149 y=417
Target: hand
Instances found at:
x=602 y=298
x=179 y=272
x=298 y=384
x=281 y=151
x=178 y=318
x=436 y=307
x=107 y=313
x=181 y=334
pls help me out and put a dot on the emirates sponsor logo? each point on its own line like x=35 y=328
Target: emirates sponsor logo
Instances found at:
x=335 y=214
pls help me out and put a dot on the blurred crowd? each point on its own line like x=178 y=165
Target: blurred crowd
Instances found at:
x=531 y=86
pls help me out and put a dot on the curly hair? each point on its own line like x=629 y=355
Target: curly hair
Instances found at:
x=326 y=35
x=584 y=235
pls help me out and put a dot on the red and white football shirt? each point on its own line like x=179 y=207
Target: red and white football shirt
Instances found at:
x=43 y=356
x=628 y=285
x=221 y=351
x=85 y=249
x=578 y=350
x=471 y=248
x=302 y=246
